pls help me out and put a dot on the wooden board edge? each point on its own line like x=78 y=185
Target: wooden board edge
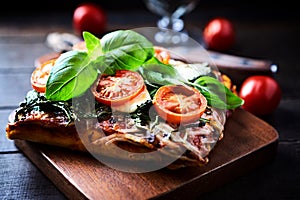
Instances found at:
x=197 y=187
x=34 y=155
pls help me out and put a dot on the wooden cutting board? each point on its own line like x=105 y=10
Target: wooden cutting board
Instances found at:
x=248 y=143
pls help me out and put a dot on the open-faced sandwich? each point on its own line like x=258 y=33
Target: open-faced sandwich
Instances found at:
x=123 y=98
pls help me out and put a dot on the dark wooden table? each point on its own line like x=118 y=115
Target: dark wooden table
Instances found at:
x=261 y=35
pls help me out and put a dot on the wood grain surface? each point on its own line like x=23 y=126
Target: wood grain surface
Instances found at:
x=248 y=143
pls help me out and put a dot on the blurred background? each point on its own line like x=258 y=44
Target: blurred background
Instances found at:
x=245 y=8
x=120 y=14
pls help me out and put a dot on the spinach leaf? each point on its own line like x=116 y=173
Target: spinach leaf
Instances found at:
x=72 y=74
x=217 y=94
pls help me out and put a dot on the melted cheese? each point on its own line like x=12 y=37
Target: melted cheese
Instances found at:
x=191 y=70
x=131 y=106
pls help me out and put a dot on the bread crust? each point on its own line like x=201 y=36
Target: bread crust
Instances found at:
x=42 y=131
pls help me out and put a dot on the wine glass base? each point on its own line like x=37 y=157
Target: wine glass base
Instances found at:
x=171 y=37
x=174 y=24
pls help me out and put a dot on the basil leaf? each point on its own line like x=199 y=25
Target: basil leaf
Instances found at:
x=93 y=45
x=72 y=74
x=156 y=72
x=156 y=65
x=74 y=71
x=217 y=94
x=212 y=98
x=125 y=49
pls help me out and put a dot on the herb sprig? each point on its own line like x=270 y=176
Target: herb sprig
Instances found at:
x=74 y=71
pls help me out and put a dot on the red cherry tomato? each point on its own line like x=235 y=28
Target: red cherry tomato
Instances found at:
x=219 y=34
x=89 y=17
x=261 y=94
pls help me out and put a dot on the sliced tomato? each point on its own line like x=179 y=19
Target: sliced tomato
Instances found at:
x=179 y=104
x=41 y=74
x=119 y=88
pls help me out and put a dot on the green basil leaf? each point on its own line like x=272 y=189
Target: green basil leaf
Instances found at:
x=156 y=72
x=217 y=94
x=154 y=64
x=212 y=98
x=126 y=49
x=93 y=45
x=72 y=74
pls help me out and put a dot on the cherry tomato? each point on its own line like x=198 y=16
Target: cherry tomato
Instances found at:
x=40 y=75
x=219 y=34
x=261 y=94
x=89 y=17
x=115 y=90
x=178 y=104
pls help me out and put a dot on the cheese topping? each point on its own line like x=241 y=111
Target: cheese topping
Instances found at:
x=131 y=105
